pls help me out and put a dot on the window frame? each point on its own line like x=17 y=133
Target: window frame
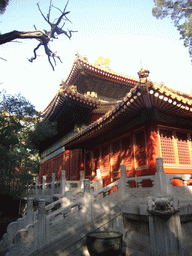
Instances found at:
x=175 y=146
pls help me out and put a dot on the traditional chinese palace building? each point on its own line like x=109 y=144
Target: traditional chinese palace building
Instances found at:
x=105 y=119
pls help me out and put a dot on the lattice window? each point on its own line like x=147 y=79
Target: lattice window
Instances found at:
x=126 y=152
x=167 y=146
x=140 y=149
x=183 y=148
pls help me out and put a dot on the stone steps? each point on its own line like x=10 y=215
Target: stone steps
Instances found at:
x=74 y=242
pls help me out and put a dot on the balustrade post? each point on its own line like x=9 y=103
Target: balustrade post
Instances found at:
x=30 y=210
x=161 y=187
x=63 y=182
x=99 y=182
x=82 y=177
x=87 y=212
x=139 y=182
x=36 y=183
x=123 y=180
x=53 y=184
x=43 y=184
x=185 y=178
x=87 y=186
x=41 y=227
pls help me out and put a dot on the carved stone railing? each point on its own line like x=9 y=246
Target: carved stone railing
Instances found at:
x=14 y=227
x=55 y=188
x=53 y=220
x=91 y=202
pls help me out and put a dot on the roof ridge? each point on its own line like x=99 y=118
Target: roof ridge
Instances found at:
x=85 y=60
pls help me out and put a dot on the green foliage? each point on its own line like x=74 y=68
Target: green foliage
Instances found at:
x=181 y=13
x=44 y=129
x=18 y=160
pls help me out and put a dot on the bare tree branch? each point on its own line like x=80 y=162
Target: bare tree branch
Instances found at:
x=42 y=13
x=35 y=55
x=8 y=37
x=43 y=37
x=2 y=59
x=64 y=10
x=48 y=15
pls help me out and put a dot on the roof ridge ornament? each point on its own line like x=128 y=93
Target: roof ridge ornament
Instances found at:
x=73 y=88
x=102 y=63
x=143 y=75
x=90 y=94
x=61 y=85
x=145 y=82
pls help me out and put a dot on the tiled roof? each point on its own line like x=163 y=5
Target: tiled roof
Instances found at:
x=141 y=96
x=64 y=94
x=83 y=64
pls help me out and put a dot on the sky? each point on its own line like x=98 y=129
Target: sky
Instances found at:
x=122 y=30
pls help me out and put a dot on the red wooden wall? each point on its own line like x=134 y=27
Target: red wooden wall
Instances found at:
x=133 y=150
x=70 y=161
x=137 y=150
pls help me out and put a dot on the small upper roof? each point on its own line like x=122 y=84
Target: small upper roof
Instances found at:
x=99 y=78
x=94 y=86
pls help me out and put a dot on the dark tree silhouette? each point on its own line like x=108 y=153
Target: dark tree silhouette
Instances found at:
x=3 y=5
x=43 y=37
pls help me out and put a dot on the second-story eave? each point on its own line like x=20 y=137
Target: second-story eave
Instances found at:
x=65 y=101
x=142 y=97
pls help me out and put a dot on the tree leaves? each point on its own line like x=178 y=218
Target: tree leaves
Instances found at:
x=43 y=130
x=180 y=12
x=18 y=161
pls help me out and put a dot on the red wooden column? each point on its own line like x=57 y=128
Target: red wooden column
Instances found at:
x=153 y=147
x=116 y=159
x=88 y=165
x=105 y=164
x=75 y=164
x=82 y=166
x=67 y=164
x=96 y=159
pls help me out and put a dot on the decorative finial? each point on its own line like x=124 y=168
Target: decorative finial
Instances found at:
x=77 y=55
x=61 y=83
x=143 y=74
